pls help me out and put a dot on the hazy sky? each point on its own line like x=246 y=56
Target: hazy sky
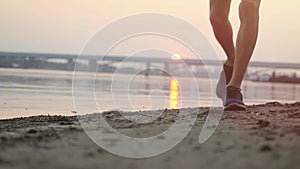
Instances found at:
x=63 y=26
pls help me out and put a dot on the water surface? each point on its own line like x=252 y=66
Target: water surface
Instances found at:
x=26 y=92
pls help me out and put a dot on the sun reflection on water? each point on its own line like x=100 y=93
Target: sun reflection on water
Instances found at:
x=173 y=96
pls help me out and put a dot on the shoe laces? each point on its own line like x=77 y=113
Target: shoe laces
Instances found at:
x=234 y=92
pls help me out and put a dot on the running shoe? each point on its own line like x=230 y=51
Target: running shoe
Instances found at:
x=234 y=99
x=224 y=79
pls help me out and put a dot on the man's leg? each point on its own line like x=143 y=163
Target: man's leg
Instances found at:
x=219 y=12
x=246 y=40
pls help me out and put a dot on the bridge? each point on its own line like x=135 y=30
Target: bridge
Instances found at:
x=92 y=60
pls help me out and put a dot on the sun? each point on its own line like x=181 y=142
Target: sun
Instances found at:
x=175 y=56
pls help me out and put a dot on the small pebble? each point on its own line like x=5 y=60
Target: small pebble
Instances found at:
x=263 y=123
x=265 y=148
x=32 y=131
x=100 y=150
x=197 y=148
x=269 y=138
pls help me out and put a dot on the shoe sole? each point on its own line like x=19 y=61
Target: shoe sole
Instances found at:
x=220 y=93
x=234 y=106
x=221 y=87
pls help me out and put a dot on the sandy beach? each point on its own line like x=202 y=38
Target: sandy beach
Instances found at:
x=264 y=136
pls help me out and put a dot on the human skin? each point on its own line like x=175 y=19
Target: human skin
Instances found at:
x=237 y=55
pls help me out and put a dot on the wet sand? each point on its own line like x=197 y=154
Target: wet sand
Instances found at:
x=264 y=136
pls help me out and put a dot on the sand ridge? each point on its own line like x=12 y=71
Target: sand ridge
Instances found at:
x=263 y=136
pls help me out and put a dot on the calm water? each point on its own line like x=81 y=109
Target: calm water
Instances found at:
x=26 y=92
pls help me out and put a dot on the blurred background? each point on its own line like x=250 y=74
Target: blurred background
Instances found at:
x=40 y=40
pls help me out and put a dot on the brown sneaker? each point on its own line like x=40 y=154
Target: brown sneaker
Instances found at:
x=234 y=99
